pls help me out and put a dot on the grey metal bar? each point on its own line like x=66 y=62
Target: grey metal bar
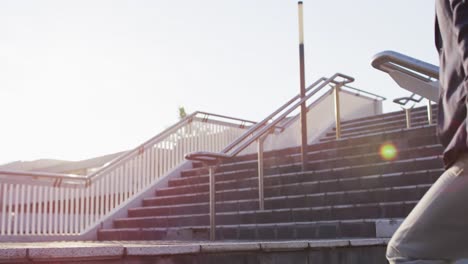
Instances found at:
x=429 y=112
x=302 y=88
x=212 y=203
x=336 y=96
x=268 y=118
x=292 y=108
x=408 y=117
x=264 y=126
x=261 y=175
x=387 y=60
x=37 y=175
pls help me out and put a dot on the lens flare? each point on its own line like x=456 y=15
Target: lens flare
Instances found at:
x=388 y=151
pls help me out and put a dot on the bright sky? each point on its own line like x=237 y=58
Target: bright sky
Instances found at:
x=82 y=78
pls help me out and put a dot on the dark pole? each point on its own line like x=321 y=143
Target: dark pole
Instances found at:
x=303 y=90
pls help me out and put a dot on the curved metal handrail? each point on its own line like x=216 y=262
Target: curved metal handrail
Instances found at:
x=416 y=76
x=391 y=60
x=409 y=73
x=86 y=180
x=263 y=127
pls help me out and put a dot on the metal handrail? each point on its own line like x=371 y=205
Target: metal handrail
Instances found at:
x=391 y=60
x=411 y=74
x=258 y=133
x=268 y=118
x=357 y=92
x=35 y=174
x=86 y=180
x=265 y=126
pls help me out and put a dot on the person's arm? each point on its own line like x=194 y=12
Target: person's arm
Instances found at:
x=460 y=28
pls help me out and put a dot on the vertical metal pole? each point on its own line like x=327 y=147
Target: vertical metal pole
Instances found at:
x=336 y=93
x=408 y=117
x=429 y=112
x=261 y=198
x=212 y=204
x=302 y=90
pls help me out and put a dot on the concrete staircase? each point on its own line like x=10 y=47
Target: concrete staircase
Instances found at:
x=347 y=189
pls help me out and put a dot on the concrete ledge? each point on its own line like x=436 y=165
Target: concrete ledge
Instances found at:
x=370 y=242
x=387 y=227
x=185 y=251
x=9 y=254
x=329 y=243
x=230 y=247
x=161 y=250
x=284 y=246
x=74 y=250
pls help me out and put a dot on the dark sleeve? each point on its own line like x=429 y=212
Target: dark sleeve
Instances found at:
x=460 y=28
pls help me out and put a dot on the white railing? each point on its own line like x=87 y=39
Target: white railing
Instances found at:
x=41 y=204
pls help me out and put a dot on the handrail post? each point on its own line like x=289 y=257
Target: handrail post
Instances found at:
x=429 y=112
x=261 y=186
x=302 y=89
x=212 y=202
x=408 y=117
x=336 y=95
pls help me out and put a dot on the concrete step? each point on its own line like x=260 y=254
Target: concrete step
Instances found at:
x=307 y=214
x=403 y=137
x=306 y=184
x=379 y=120
x=328 y=159
x=317 y=161
x=316 y=156
x=374 y=195
x=344 y=176
x=298 y=230
x=417 y=117
x=392 y=116
x=341 y=175
x=369 y=132
x=261 y=231
x=347 y=132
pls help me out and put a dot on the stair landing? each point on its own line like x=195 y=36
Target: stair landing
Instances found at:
x=334 y=251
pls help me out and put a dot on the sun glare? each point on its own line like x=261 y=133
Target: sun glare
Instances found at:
x=388 y=151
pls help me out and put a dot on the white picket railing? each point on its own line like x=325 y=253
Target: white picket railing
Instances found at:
x=39 y=204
